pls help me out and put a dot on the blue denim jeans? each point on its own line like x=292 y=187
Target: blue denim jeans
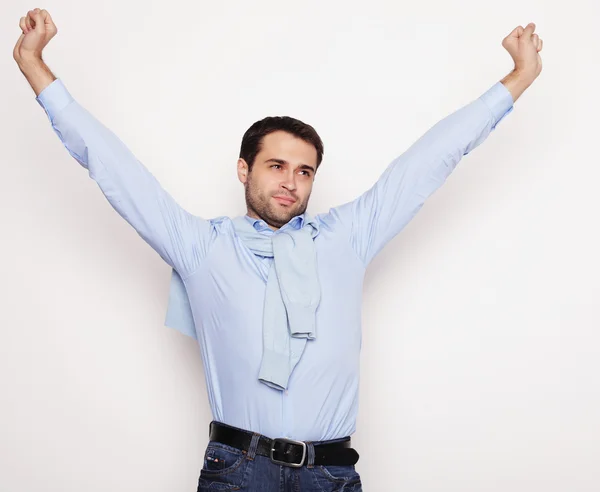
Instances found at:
x=229 y=468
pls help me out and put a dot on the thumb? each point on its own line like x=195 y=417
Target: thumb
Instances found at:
x=529 y=30
x=46 y=16
x=40 y=25
x=516 y=33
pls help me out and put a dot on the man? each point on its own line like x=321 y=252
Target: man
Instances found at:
x=273 y=297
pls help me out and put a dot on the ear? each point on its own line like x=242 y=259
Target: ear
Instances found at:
x=242 y=170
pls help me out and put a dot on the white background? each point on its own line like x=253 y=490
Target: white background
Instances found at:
x=479 y=363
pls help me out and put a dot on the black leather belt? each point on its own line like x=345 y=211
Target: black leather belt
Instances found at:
x=283 y=451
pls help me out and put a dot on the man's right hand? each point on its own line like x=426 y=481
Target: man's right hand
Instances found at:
x=38 y=29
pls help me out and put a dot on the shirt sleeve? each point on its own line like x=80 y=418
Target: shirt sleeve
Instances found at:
x=380 y=213
x=179 y=237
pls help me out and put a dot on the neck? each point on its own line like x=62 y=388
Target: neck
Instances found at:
x=251 y=213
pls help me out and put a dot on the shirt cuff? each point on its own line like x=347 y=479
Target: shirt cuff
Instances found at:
x=499 y=101
x=54 y=98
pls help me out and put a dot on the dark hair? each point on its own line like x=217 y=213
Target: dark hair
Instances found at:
x=252 y=140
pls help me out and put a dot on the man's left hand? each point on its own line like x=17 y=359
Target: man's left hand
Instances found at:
x=524 y=47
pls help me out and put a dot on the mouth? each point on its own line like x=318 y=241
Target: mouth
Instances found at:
x=285 y=200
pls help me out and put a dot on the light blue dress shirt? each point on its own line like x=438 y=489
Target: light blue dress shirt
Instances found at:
x=226 y=282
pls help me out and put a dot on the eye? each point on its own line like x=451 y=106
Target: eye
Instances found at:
x=276 y=165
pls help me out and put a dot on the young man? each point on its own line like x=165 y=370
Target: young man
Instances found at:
x=273 y=297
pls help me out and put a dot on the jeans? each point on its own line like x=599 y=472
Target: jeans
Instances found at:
x=229 y=468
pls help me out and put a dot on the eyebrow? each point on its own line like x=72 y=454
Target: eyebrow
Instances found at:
x=282 y=162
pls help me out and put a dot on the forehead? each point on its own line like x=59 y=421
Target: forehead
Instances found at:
x=283 y=145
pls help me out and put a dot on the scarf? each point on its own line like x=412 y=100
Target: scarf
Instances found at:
x=292 y=296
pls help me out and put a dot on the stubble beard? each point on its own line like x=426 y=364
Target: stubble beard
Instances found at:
x=271 y=213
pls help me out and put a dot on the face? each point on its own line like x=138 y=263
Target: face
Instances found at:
x=280 y=183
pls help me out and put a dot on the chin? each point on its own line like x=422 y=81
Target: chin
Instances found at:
x=283 y=216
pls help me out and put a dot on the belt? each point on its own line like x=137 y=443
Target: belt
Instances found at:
x=284 y=451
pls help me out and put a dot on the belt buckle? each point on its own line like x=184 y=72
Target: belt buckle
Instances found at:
x=288 y=441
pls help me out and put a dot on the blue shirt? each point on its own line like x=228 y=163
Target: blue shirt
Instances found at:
x=226 y=282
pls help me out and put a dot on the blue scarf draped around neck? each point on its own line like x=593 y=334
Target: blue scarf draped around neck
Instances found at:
x=292 y=296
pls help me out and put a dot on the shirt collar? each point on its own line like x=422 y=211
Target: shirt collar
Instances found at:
x=260 y=225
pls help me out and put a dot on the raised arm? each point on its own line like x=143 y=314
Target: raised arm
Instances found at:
x=179 y=237
x=380 y=213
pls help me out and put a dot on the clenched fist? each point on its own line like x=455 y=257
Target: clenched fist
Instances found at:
x=38 y=29
x=524 y=47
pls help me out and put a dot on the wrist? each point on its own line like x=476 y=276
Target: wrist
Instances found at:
x=30 y=61
x=525 y=77
x=517 y=81
x=36 y=72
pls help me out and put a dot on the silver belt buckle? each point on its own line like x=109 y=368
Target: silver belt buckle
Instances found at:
x=290 y=441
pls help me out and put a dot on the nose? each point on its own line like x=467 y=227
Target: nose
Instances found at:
x=289 y=182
